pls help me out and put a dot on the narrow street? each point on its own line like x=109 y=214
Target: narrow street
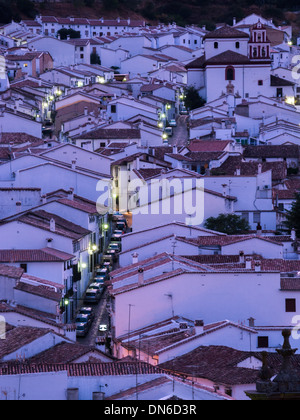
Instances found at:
x=180 y=133
x=101 y=317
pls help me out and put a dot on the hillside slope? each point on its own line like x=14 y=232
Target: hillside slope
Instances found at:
x=198 y=12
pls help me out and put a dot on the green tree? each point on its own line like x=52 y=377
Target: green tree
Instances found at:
x=64 y=33
x=293 y=216
x=95 y=59
x=231 y=224
x=192 y=98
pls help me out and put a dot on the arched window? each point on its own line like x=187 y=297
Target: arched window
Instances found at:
x=216 y=45
x=230 y=73
x=237 y=45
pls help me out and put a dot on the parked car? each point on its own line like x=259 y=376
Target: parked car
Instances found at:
x=116 y=237
x=122 y=226
x=83 y=319
x=114 y=246
x=107 y=260
x=92 y=295
x=99 y=280
x=184 y=111
x=169 y=131
x=117 y=215
x=118 y=232
x=96 y=286
x=81 y=330
x=101 y=271
x=173 y=123
x=87 y=311
x=101 y=277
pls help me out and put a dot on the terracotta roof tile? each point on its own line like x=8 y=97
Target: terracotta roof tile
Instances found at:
x=33 y=255
x=11 y=272
x=226 y=32
x=81 y=369
x=65 y=353
x=220 y=365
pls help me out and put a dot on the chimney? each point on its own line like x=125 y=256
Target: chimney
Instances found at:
x=238 y=172
x=135 y=258
x=52 y=225
x=293 y=234
x=44 y=199
x=49 y=242
x=199 y=326
x=257 y=265
x=137 y=163
x=72 y=394
x=85 y=110
x=224 y=189
x=242 y=257
x=73 y=164
x=175 y=150
x=71 y=194
x=98 y=396
x=259 y=168
x=141 y=276
x=251 y=322
x=234 y=21
x=259 y=229
x=18 y=206
x=248 y=263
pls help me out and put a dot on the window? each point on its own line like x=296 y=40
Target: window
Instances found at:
x=245 y=216
x=237 y=45
x=279 y=92
x=76 y=247
x=24 y=267
x=113 y=109
x=256 y=217
x=228 y=391
x=262 y=342
x=216 y=45
x=260 y=83
x=229 y=73
x=290 y=305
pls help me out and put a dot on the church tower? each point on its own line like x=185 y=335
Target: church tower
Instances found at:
x=259 y=45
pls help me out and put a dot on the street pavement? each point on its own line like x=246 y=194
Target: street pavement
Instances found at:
x=180 y=133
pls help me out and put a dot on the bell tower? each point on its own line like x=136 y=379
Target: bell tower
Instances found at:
x=259 y=45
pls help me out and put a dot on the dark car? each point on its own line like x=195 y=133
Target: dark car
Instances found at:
x=93 y=295
x=87 y=311
x=81 y=330
x=83 y=319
